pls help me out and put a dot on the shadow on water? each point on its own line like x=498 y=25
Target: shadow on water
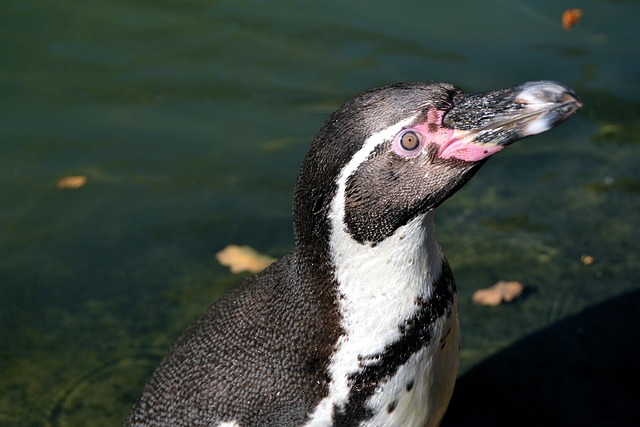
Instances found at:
x=580 y=372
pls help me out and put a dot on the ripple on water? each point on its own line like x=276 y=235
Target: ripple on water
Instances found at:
x=104 y=394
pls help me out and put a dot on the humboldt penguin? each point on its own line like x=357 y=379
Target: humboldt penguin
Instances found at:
x=358 y=324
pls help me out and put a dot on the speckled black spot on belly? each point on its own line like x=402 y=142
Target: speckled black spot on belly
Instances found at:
x=409 y=386
x=415 y=334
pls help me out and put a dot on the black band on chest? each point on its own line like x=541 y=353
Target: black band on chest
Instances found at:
x=415 y=334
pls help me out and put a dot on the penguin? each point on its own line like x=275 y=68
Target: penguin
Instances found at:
x=358 y=324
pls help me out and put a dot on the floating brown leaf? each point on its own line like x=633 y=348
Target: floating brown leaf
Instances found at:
x=587 y=259
x=243 y=258
x=570 y=18
x=503 y=291
x=72 y=182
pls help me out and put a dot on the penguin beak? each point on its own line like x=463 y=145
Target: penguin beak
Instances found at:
x=485 y=123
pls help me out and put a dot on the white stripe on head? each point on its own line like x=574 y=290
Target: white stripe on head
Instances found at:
x=378 y=285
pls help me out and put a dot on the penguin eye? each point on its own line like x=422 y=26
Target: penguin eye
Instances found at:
x=407 y=142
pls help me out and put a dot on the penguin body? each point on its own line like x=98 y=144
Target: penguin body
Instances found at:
x=358 y=325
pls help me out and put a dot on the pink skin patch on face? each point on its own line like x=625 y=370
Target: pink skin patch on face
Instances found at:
x=453 y=143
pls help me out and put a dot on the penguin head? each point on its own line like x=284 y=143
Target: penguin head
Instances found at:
x=394 y=153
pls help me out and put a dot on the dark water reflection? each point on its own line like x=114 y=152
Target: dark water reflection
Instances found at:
x=189 y=121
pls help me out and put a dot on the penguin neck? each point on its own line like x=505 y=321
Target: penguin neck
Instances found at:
x=380 y=290
x=381 y=286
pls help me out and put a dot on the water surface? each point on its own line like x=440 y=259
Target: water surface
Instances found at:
x=189 y=121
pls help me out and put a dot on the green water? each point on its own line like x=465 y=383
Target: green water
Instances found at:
x=189 y=120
